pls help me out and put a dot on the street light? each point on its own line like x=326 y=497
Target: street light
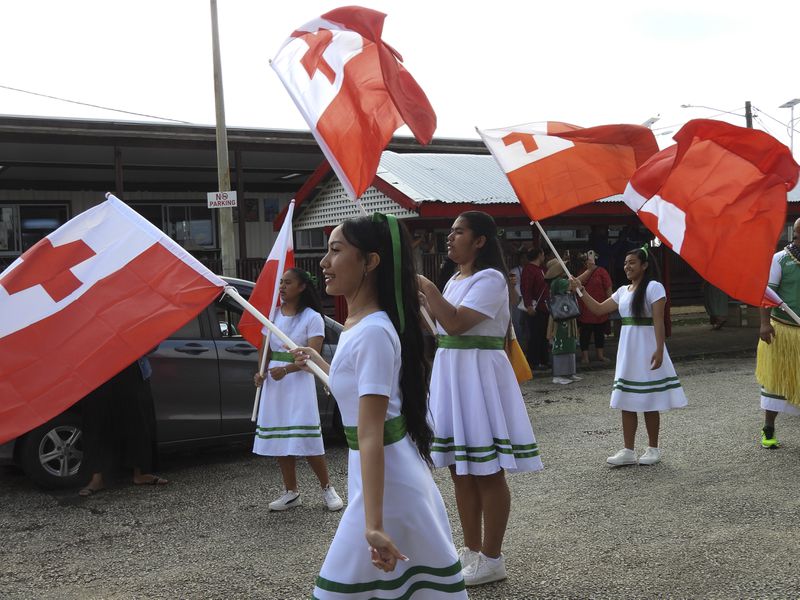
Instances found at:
x=790 y=105
x=651 y=121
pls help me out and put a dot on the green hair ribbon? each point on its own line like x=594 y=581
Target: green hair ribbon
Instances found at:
x=646 y=251
x=394 y=232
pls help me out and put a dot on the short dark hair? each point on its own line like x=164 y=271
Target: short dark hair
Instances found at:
x=534 y=253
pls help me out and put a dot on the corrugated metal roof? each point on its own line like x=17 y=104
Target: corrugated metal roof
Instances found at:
x=447 y=178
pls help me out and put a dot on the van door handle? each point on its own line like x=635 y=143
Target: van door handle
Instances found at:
x=192 y=348
x=241 y=349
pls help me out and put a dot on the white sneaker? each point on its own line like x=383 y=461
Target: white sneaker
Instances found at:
x=561 y=380
x=651 y=456
x=623 y=457
x=467 y=557
x=290 y=499
x=485 y=570
x=332 y=499
x=575 y=377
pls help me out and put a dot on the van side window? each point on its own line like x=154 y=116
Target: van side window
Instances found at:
x=228 y=315
x=190 y=331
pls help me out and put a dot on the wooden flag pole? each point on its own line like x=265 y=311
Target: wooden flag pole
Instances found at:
x=261 y=371
x=555 y=252
x=237 y=297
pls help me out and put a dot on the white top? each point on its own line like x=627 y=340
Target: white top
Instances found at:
x=300 y=328
x=486 y=292
x=775 y=270
x=518 y=287
x=367 y=362
x=624 y=298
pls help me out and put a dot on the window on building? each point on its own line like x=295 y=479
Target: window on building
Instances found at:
x=311 y=239
x=9 y=226
x=191 y=226
x=152 y=212
x=22 y=225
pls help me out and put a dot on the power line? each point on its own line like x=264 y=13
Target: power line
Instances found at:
x=717 y=114
x=788 y=126
x=127 y=112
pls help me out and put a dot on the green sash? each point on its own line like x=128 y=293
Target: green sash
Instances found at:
x=634 y=321
x=394 y=430
x=286 y=357
x=471 y=342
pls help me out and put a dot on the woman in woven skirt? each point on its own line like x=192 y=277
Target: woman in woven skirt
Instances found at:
x=481 y=425
x=394 y=539
x=645 y=380
x=288 y=415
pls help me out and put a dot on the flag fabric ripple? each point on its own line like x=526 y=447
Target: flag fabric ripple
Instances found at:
x=352 y=90
x=85 y=302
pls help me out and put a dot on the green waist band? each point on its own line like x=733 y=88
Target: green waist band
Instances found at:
x=283 y=356
x=394 y=430
x=635 y=321
x=471 y=342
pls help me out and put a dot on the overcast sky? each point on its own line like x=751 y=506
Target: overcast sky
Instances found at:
x=489 y=63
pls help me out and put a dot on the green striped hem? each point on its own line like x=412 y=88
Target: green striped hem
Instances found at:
x=393 y=584
x=503 y=446
x=290 y=428
x=645 y=383
x=647 y=390
x=771 y=395
x=279 y=436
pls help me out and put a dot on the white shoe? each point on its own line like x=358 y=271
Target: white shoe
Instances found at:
x=485 y=570
x=290 y=499
x=575 y=377
x=562 y=380
x=467 y=557
x=623 y=457
x=332 y=499
x=651 y=456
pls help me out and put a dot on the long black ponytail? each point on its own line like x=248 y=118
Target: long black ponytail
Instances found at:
x=490 y=255
x=370 y=235
x=309 y=297
x=650 y=274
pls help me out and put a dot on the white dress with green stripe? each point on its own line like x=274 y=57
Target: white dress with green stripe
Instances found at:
x=480 y=422
x=637 y=388
x=288 y=415
x=368 y=362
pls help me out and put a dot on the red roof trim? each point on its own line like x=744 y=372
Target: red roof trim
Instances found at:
x=395 y=194
x=303 y=194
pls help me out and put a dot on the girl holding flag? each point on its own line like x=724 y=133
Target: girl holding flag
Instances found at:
x=645 y=380
x=395 y=519
x=288 y=415
x=481 y=426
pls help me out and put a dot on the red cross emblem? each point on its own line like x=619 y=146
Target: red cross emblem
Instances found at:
x=527 y=140
x=312 y=60
x=49 y=266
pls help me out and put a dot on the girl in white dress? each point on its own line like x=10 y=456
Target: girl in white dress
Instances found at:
x=395 y=519
x=288 y=415
x=645 y=380
x=481 y=425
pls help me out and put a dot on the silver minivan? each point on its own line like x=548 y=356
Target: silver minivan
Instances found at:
x=203 y=392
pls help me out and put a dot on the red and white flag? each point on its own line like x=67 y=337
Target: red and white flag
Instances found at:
x=718 y=198
x=555 y=166
x=352 y=91
x=265 y=295
x=85 y=302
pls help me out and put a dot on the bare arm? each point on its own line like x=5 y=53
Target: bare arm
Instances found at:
x=303 y=354
x=371 y=417
x=767 y=331
x=258 y=379
x=658 y=325
x=598 y=308
x=278 y=373
x=455 y=320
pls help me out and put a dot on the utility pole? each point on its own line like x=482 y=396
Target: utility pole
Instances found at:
x=225 y=215
x=748 y=114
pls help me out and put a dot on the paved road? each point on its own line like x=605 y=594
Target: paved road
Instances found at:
x=719 y=518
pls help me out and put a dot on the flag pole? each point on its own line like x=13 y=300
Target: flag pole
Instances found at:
x=785 y=307
x=555 y=252
x=261 y=366
x=237 y=297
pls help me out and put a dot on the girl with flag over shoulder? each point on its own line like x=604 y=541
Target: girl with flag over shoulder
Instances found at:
x=645 y=380
x=288 y=415
x=395 y=519
x=481 y=426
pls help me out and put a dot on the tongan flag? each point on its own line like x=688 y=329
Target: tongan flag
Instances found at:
x=352 y=91
x=265 y=295
x=84 y=303
x=554 y=166
x=718 y=198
